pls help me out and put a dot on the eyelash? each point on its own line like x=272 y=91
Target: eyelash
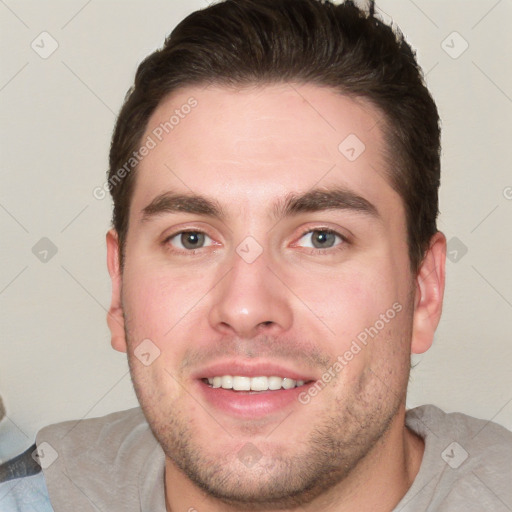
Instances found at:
x=309 y=250
x=192 y=252
x=328 y=250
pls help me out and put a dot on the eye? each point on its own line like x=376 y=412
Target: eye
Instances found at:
x=190 y=240
x=321 y=239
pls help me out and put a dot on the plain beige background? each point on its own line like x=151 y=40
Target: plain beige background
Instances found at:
x=57 y=116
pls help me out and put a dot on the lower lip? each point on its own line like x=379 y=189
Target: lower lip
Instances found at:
x=251 y=405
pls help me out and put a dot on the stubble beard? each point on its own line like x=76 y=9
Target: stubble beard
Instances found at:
x=344 y=436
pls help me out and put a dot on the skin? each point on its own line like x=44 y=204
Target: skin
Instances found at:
x=296 y=304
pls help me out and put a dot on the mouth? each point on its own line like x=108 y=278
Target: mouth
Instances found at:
x=248 y=390
x=255 y=384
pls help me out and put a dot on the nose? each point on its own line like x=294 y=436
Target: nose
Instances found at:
x=250 y=300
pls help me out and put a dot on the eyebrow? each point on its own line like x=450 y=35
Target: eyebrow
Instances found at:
x=312 y=201
x=324 y=199
x=170 y=202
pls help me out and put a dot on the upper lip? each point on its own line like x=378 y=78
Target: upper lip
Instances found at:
x=250 y=369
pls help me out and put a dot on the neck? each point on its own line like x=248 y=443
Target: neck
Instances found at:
x=377 y=483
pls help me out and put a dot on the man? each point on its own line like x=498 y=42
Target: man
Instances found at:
x=275 y=261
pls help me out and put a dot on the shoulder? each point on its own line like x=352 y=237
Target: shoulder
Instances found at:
x=97 y=442
x=466 y=460
x=483 y=441
x=100 y=463
x=27 y=494
x=113 y=431
x=122 y=421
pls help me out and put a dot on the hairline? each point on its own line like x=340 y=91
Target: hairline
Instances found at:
x=392 y=158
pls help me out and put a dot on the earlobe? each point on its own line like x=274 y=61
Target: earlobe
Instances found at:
x=428 y=303
x=115 y=318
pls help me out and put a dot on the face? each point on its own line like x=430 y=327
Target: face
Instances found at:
x=267 y=277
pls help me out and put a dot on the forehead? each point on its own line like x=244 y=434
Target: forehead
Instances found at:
x=247 y=146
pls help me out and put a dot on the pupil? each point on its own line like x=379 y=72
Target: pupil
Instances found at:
x=322 y=239
x=192 y=240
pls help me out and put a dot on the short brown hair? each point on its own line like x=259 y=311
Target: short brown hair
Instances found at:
x=249 y=42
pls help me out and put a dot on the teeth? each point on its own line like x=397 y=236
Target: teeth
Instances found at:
x=239 y=383
x=275 y=383
x=226 y=381
x=259 y=384
x=288 y=383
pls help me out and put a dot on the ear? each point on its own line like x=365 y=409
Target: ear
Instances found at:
x=428 y=303
x=115 y=319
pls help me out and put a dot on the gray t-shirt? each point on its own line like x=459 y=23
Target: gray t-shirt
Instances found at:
x=114 y=463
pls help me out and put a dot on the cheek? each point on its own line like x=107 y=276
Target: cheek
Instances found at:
x=155 y=387
x=351 y=299
x=156 y=299
x=152 y=309
x=365 y=309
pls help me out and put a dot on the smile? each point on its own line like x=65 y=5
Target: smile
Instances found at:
x=259 y=383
